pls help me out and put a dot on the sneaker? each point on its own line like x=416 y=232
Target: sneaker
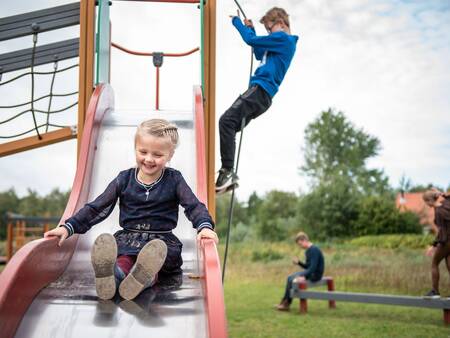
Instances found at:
x=103 y=258
x=227 y=189
x=148 y=263
x=432 y=295
x=225 y=179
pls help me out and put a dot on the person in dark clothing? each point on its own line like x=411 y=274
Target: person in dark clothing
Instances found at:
x=275 y=51
x=313 y=268
x=149 y=197
x=440 y=249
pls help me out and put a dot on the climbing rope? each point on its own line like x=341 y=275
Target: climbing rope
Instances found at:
x=37 y=73
x=231 y=209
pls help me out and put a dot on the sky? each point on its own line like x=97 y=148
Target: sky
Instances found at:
x=384 y=63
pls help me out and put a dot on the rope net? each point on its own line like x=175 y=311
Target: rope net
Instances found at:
x=43 y=109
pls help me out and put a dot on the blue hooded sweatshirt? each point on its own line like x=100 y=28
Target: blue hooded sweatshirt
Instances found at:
x=275 y=51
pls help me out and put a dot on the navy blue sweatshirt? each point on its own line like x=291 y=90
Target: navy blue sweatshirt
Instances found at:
x=275 y=51
x=143 y=207
x=315 y=263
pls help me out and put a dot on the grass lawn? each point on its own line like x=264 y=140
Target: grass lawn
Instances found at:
x=252 y=288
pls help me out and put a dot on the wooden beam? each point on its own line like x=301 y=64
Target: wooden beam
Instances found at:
x=86 y=69
x=33 y=142
x=210 y=98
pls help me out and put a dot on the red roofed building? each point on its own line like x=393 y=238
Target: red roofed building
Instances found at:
x=412 y=201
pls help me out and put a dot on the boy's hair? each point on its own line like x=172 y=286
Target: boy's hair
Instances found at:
x=431 y=196
x=301 y=236
x=158 y=128
x=276 y=14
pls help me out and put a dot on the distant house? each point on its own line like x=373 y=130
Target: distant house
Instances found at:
x=412 y=201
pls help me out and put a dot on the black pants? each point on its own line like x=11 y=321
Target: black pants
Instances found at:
x=249 y=105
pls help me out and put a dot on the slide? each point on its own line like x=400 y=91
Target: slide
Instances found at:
x=46 y=291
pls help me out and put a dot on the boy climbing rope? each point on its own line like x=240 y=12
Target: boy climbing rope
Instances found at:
x=275 y=51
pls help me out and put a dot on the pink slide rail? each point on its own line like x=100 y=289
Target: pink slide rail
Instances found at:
x=214 y=300
x=21 y=280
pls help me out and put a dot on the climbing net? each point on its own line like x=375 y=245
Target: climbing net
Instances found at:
x=41 y=113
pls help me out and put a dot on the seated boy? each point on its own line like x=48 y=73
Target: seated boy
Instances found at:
x=313 y=268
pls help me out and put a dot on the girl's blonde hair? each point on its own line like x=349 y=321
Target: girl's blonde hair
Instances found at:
x=431 y=196
x=158 y=128
x=276 y=15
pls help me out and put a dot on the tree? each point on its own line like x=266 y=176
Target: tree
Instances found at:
x=335 y=147
x=32 y=204
x=222 y=214
x=9 y=202
x=277 y=216
x=330 y=209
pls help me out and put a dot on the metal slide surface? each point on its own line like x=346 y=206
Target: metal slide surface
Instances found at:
x=69 y=306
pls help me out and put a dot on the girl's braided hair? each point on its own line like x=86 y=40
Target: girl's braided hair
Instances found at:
x=159 y=128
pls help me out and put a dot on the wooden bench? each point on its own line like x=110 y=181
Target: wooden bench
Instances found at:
x=299 y=290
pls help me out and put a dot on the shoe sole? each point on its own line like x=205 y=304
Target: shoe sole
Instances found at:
x=148 y=263
x=103 y=258
x=227 y=188
x=228 y=183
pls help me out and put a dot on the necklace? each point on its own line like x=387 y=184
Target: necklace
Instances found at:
x=147 y=187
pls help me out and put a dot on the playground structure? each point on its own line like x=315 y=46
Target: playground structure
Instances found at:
x=62 y=279
x=19 y=232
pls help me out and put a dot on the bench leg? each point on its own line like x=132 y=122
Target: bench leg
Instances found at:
x=330 y=285
x=447 y=316
x=303 y=301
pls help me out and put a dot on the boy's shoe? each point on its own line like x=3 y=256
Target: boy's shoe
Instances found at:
x=283 y=306
x=225 y=179
x=227 y=189
x=432 y=295
x=103 y=258
x=148 y=263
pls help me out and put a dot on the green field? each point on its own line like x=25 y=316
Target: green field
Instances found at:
x=255 y=283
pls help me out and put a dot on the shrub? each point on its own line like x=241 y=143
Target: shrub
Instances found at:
x=378 y=215
x=409 y=241
x=266 y=255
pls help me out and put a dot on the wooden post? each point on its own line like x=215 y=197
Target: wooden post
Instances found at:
x=447 y=316
x=20 y=235
x=9 y=241
x=303 y=302
x=210 y=98
x=45 y=228
x=86 y=68
x=330 y=285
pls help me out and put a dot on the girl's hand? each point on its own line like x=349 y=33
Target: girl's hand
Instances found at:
x=208 y=233
x=295 y=260
x=60 y=232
